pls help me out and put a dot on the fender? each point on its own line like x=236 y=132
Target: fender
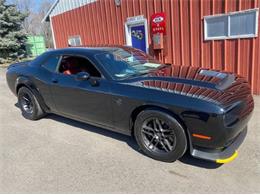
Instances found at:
x=25 y=81
x=160 y=108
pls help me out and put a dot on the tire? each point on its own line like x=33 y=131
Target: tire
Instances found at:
x=160 y=136
x=29 y=105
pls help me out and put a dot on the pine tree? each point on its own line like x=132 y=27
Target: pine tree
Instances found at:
x=12 y=35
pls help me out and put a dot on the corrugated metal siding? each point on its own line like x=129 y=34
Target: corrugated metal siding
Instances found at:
x=67 y=5
x=102 y=22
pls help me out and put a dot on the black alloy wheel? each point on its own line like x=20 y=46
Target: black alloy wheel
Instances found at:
x=160 y=136
x=29 y=104
x=26 y=103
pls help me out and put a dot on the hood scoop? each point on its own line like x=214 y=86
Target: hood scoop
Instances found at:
x=212 y=73
x=225 y=79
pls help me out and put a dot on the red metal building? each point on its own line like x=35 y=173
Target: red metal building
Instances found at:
x=219 y=34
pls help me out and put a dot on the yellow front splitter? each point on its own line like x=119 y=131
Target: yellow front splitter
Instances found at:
x=227 y=160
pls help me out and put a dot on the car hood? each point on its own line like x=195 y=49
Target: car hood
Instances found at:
x=219 y=87
x=195 y=76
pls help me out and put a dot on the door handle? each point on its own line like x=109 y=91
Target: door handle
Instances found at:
x=55 y=80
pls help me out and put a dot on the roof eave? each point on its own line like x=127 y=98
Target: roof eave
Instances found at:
x=47 y=16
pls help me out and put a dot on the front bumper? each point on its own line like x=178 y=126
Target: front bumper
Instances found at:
x=224 y=156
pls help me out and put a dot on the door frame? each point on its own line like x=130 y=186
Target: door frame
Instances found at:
x=137 y=21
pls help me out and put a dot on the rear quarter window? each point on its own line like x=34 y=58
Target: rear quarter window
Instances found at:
x=51 y=63
x=39 y=60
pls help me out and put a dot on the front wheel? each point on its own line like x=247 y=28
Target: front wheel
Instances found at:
x=29 y=104
x=160 y=136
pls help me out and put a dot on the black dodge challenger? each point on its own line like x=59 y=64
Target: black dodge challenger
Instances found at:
x=168 y=109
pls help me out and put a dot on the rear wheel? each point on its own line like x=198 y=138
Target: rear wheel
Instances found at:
x=160 y=136
x=29 y=104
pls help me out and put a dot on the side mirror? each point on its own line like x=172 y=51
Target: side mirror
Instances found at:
x=82 y=76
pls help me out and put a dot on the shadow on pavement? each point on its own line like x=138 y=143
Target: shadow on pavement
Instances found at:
x=124 y=138
x=186 y=159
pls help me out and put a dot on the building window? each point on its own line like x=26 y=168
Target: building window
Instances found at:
x=74 y=41
x=242 y=24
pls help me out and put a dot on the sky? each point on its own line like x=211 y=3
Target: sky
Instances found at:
x=35 y=5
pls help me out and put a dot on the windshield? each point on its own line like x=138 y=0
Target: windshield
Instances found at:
x=127 y=62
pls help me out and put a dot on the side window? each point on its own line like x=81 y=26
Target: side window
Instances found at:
x=51 y=63
x=72 y=65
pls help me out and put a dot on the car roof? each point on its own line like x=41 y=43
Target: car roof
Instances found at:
x=89 y=50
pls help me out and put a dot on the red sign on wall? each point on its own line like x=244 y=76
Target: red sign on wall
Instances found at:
x=158 y=23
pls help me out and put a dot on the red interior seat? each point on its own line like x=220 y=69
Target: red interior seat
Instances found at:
x=67 y=72
x=71 y=67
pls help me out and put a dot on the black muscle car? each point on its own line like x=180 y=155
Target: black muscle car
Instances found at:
x=168 y=109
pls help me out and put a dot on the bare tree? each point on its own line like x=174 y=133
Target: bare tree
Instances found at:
x=32 y=24
x=25 y=6
x=45 y=27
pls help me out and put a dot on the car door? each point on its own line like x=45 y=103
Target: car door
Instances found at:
x=42 y=78
x=87 y=100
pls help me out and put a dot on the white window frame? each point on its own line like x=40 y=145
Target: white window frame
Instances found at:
x=73 y=37
x=256 y=10
x=136 y=21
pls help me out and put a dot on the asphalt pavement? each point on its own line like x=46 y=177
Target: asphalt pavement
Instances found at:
x=59 y=155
